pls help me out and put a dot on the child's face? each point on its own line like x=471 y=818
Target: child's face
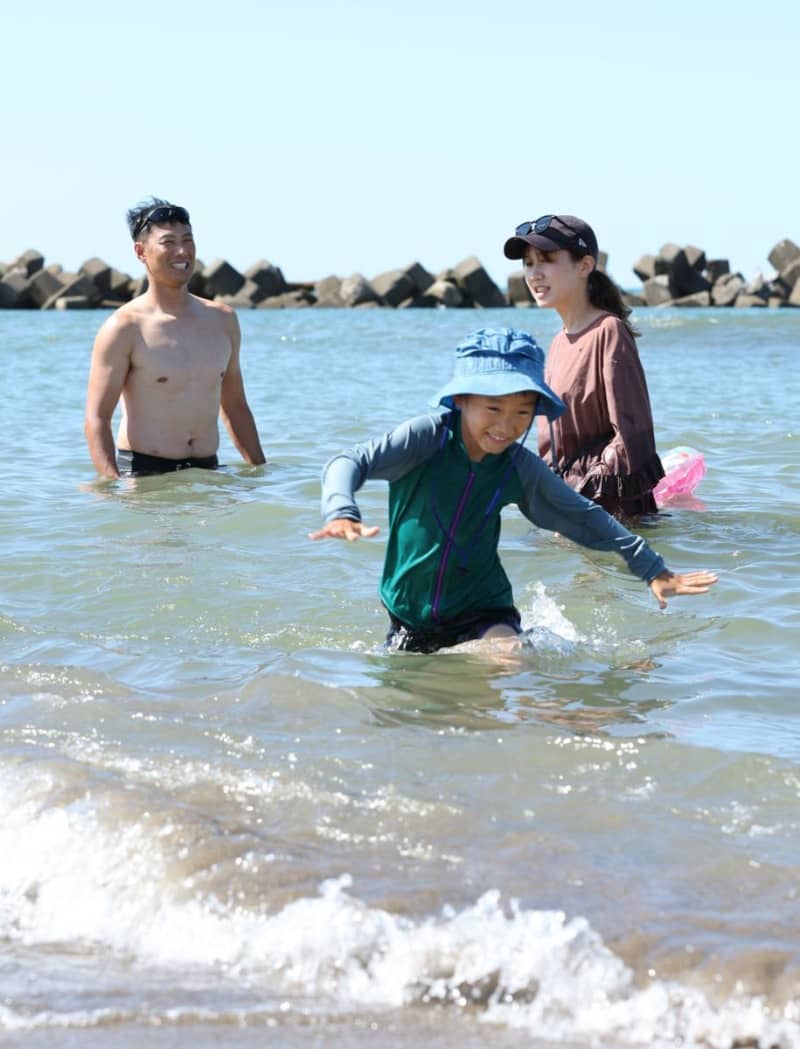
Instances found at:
x=490 y=424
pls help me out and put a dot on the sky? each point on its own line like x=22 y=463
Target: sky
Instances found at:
x=335 y=138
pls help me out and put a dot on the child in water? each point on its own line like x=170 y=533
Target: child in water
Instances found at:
x=450 y=473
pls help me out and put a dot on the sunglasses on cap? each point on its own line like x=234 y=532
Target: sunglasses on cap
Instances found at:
x=542 y=224
x=161 y=213
x=558 y=229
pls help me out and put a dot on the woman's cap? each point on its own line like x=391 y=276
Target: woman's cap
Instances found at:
x=550 y=233
x=493 y=362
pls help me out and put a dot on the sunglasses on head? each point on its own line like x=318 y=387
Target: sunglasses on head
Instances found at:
x=161 y=213
x=541 y=225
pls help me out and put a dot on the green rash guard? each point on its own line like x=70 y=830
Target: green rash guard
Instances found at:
x=444 y=517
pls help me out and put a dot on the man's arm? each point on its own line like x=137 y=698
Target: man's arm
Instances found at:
x=235 y=410
x=111 y=360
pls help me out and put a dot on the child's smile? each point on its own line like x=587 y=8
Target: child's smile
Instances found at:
x=490 y=424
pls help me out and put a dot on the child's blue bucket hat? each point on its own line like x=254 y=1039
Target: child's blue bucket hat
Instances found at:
x=495 y=361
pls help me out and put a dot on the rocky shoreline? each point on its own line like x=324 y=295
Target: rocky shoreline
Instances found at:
x=676 y=276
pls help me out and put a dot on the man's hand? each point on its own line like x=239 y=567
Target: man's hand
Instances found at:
x=344 y=528
x=670 y=584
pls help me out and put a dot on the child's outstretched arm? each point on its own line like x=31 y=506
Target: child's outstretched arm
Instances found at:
x=549 y=503
x=388 y=458
x=345 y=528
x=669 y=584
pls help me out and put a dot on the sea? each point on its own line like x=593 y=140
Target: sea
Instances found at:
x=229 y=817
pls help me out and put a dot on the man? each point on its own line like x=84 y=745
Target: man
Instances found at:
x=173 y=358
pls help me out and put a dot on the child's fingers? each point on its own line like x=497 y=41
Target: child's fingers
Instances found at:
x=670 y=584
x=703 y=578
x=356 y=530
x=344 y=529
x=695 y=582
x=334 y=532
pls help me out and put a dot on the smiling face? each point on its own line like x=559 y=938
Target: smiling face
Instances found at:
x=490 y=424
x=557 y=279
x=168 y=253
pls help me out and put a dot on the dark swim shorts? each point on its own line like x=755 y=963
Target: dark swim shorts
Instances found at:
x=471 y=626
x=137 y=464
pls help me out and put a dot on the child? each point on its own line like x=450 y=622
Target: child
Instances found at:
x=450 y=473
x=604 y=442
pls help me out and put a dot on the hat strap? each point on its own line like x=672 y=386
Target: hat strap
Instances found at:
x=553 y=459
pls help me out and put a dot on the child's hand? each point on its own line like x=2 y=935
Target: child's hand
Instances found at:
x=668 y=584
x=344 y=528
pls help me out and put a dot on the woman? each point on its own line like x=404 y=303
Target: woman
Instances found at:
x=604 y=443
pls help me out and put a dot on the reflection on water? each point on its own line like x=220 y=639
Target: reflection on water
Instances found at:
x=478 y=684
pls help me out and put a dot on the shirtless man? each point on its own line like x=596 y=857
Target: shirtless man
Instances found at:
x=174 y=360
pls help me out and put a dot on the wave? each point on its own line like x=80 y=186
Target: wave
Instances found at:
x=75 y=880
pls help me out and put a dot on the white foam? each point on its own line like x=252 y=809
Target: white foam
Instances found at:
x=73 y=878
x=540 y=613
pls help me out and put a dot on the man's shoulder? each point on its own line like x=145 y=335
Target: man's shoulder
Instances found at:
x=214 y=314
x=123 y=321
x=141 y=309
x=211 y=307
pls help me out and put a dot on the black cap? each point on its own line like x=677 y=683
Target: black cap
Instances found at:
x=550 y=233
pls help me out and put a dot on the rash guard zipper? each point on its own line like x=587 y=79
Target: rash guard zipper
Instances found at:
x=448 y=546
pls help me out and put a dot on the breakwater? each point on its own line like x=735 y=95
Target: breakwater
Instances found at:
x=675 y=276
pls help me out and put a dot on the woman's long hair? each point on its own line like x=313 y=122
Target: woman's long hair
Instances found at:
x=605 y=295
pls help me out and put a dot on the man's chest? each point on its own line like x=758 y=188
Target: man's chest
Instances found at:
x=178 y=353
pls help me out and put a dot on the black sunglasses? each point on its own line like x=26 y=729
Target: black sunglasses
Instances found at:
x=161 y=213
x=541 y=225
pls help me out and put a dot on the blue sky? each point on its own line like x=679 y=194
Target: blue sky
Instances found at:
x=342 y=137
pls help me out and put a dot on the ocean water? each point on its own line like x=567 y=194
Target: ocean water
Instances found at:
x=229 y=818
